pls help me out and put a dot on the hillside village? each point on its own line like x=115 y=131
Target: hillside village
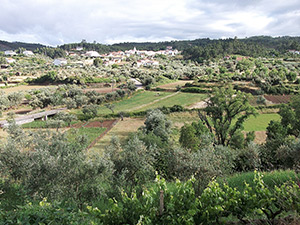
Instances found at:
x=147 y=57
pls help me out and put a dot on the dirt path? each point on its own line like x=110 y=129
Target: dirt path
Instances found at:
x=198 y=105
x=155 y=101
x=260 y=137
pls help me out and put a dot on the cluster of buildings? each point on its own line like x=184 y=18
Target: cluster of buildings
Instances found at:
x=147 y=57
x=10 y=53
x=294 y=52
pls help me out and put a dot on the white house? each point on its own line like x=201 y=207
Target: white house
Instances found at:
x=60 y=62
x=78 y=48
x=10 y=60
x=146 y=63
x=92 y=54
x=10 y=52
x=28 y=53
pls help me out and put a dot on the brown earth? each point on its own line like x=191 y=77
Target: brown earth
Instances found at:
x=260 y=137
x=101 y=90
x=175 y=84
x=277 y=99
x=106 y=123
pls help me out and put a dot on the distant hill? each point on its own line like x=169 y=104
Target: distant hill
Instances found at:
x=5 y=45
x=280 y=44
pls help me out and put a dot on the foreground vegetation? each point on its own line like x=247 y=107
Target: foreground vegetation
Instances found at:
x=187 y=154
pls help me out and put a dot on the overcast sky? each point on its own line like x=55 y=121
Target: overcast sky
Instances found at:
x=55 y=22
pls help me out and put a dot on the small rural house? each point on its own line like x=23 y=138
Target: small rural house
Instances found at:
x=10 y=60
x=28 y=53
x=10 y=52
x=60 y=62
x=92 y=54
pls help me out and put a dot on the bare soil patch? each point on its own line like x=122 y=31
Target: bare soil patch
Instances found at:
x=277 y=99
x=25 y=88
x=175 y=84
x=198 y=105
x=121 y=130
x=101 y=90
x=106 y=123
x=23 y=111
x=260 y=137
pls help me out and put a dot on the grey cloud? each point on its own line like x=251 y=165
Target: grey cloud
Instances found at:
x=61 y=21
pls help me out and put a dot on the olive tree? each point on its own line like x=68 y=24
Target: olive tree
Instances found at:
x=227 y=110
x=157 y=123
x=50 y=166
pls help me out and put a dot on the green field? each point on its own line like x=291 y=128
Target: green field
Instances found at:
x=184 y=99
x=91 y=133
x=276 y=177
x=42 y=124
x=260 y=122
x=136 y=100
x=148 y=100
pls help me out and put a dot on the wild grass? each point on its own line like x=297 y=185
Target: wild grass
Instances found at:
x=184 y=99
x=90 y=133
x=42 y=124
x=276 y=177
x=260 y=122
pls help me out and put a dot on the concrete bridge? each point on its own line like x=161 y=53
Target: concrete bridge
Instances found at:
x=29 y=118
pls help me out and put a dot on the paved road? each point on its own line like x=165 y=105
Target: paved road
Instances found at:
x=32 y=117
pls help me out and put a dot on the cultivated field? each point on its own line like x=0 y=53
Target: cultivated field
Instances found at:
x=149 y=100
x=25 y=88
x=260 y=122
x=172 y=86
x=257 y=124
x=121 y=130
x=178 y=98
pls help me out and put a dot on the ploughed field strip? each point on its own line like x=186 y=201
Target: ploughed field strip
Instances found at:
x=122 y=130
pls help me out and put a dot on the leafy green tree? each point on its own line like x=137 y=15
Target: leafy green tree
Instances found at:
x=188 y=138
x=290 y=116
x=35 y=102
x=4 y=102
x=227 y=111
x=15 y=98
x=55 y=123
x=53 y=167
x=137 y=162
x=276 y=136
x=70 y=103
x=111 y=107
x=248 y=158
x=90 y=111
x=157 y=123
x=97 y=62
x=80 y=100
x=291 y=76
x=131 y=85
x=2 y=60
x=288 y=155
x=66 y=117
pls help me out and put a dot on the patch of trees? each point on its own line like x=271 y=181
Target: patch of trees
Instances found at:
x=5 y=45
x=44 y=165
x=282 y=146
x=11 y=100
x=258 y=45
x=51 y=52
